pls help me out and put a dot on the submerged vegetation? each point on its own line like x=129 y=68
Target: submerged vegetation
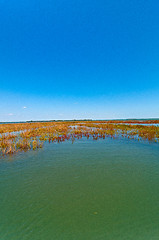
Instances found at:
x=17 y=137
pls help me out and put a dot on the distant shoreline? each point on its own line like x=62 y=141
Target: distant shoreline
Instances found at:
x=85 y=120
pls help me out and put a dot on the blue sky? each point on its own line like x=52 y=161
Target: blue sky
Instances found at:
x=79 y=59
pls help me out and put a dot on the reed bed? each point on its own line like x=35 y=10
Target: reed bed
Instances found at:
x=31 y=136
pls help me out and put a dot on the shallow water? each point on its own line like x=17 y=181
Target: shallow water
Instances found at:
x=142 y=124
x=105 y=189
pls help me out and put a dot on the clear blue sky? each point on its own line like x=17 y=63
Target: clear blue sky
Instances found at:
x=66 y=59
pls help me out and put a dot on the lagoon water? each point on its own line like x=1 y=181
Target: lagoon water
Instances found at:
x=90 y=190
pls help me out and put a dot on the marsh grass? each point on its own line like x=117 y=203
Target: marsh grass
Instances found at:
x=31 y=136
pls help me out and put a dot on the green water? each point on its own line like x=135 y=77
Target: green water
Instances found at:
x=106 y=189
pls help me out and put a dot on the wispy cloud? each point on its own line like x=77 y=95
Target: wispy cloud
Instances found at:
x=7 y=114
x=24 y=107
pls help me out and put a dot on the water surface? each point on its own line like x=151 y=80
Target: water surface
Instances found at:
x=105 y=189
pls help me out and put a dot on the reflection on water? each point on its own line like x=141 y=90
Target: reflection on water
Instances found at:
x=105 y=189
